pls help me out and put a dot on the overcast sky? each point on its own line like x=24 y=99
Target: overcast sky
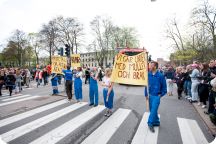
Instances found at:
x=149 y=18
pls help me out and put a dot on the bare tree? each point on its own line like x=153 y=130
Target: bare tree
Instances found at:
x=173 y=33
x=49 y=36
x=205 y=15
x=70 y=30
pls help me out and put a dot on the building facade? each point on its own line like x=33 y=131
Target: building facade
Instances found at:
x=90 y=59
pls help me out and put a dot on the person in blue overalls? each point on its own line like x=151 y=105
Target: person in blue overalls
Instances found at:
x=157 y=88
x=93 y=87
x=78 y=84
x=108 y=93
x=54 y=82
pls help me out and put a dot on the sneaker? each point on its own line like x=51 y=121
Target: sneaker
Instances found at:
x=204 y=106
x=189 y=98
x=151 y=128
x=199 y=104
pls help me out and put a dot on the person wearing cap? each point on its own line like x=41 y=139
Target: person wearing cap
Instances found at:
x=68 y=84
x=78 y=84
x=54 y=82
x=93 y=87
x=195 y=82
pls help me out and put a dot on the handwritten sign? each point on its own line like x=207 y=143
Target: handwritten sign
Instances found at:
x=130 y=69
x=75 y=60
x=58 y=63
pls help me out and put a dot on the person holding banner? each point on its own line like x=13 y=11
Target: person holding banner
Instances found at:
x=78 y=84
x=108 y=93
x=157 y=88
x=54 y=81
x=93 y=87
x=68 y=84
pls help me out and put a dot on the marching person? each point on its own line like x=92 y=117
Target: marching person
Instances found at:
x=87 y=75
x=108 y=93
x=54 y=81
x=157 y=88
x=68 y=84
x=78 y=84
x=93 y=92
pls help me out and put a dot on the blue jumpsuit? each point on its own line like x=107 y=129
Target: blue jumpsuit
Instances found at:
x=93 y=92
x=78 y=88
x=54 y=82
x=157 y=89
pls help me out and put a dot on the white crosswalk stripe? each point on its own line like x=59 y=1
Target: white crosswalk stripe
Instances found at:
x=62 y=131
x=19 y=100
x=143 y=134
x=104 y=132
x=14 y=98
x=30 y=113
x=191 y=132
x=5 y=96
x=15 y=133
x=108 y=128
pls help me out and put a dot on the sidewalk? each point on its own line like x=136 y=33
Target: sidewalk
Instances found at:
x=206 y=119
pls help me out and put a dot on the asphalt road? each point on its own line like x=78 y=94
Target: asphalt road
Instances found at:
x=79 y=123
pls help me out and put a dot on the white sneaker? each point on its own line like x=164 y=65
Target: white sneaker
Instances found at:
x=199 y=104
x=189 y=98
x=204 y=106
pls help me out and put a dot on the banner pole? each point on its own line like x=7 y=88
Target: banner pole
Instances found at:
x=147 y=97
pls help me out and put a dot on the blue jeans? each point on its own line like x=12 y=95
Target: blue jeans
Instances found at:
x=189 y=88
x=108 y=104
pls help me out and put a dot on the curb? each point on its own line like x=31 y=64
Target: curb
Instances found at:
x=208 y=123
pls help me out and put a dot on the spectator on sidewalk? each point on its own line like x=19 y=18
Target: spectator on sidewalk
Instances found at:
x=169 y=75
x=28 y=77
x=211 y=76
x=213 y=93
x=10 y=81
x=203 y=87
x=179 y=81
x=195 y=82
x=45 y=76
x=18 y=87
x=2 y=80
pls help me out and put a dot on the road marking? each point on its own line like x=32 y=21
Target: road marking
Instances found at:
x=108 y=128
x=17 y=132
x=143 y=134
x=191 y=132
x=11 y=102
x=14 y=98
x=60 y=132
x=30 y=113
x=5 y=96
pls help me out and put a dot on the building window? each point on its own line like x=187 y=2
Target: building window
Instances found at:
x=92 y=64
x=95 y=64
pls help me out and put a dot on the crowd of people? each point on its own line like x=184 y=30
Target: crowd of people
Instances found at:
x=14 y=79
x=198 y=83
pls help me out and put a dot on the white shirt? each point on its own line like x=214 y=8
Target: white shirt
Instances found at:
x=106 y=80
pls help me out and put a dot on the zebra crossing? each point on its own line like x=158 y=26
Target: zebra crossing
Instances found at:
x=11 y=131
